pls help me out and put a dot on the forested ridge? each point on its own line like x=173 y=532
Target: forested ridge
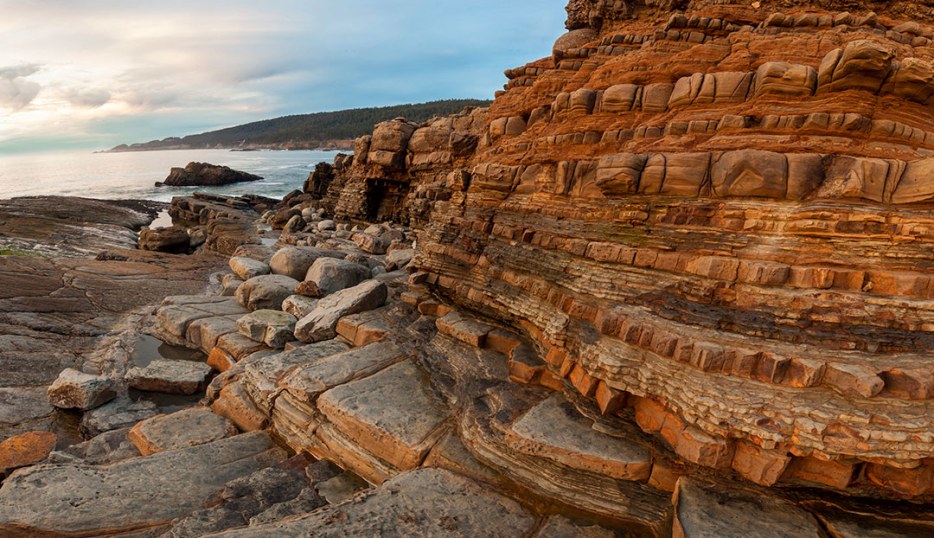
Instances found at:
x=320 y=129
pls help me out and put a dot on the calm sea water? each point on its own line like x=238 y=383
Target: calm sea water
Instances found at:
x=132 y=175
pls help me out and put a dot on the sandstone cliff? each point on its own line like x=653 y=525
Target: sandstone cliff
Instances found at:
x=711 y=216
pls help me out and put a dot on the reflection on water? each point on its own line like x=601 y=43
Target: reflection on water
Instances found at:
x=133 y=175
x=149 y=348
x=162 y=220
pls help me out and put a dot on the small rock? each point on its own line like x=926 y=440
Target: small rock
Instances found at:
x=247 y=268
x=294 y=225
x=25 y=449
x=329 y=275
x=377 y=271
x=186 y=428
x=321 y=323
x=266 y=292
x=171 y=377
x=272 y=327
x=229 y=284
x=117 y=414
x=327 y=225
x=77 y=390
x=370 y=243
x=299 y=306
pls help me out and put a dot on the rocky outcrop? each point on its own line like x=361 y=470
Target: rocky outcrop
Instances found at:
x=708 y=217
x=205 y=175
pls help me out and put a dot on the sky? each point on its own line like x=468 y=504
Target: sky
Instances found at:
x=91 y=74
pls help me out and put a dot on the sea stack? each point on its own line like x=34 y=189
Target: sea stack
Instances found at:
x=205 y=175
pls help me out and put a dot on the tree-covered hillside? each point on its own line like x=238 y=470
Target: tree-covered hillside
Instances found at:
x=307 y=131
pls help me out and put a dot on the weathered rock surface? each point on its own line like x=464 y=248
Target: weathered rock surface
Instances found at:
x=25 y=449
x=197 y=174
x=271 y=327
x=321 y=323
x=428 y=502
x=168 y=376
x=115 y=415
x=247 y=268
x=392 y=413
x=330 y=275
x=77 y=390
x=182 y=429
x=174 y=240
x=706 y=510
x=294 y=262
x=266 y=292
x=137 y=494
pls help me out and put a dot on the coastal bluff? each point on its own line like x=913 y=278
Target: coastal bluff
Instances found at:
x=674 y=281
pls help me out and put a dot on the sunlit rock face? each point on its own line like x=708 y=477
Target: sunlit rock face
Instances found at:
x=718 y=213
x=712 y=218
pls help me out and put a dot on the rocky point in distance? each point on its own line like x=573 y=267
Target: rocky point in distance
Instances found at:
x=673 y=282
x=205 y=175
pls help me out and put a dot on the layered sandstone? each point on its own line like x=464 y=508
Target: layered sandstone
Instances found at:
x=710 y=216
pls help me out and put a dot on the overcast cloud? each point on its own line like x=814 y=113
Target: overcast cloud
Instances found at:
x=96 y=73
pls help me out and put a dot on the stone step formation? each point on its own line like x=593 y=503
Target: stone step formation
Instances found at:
x=673 y=282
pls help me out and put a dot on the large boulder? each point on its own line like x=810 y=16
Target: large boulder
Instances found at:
x=205 y=175
x=174 y=240
x=329 y=275
x=77 y=390
x=266 y=292
x=295 y=261
x=321 y=323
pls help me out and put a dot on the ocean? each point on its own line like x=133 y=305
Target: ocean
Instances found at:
x=132 y=175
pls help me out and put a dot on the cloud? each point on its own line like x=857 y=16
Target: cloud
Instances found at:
x=15 y=91
x=87 y=97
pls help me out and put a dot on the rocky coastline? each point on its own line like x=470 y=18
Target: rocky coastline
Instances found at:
x=673 y=282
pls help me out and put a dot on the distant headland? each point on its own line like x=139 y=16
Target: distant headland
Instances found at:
x=319 y=131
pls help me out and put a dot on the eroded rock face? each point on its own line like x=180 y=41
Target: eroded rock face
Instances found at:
x=715 y=221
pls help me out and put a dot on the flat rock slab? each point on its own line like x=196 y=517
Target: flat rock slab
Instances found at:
x=25 y=449
x=183 y=429
x=393 y=413
x=78 y=390
x=116 y=415
x=463 y=328
x=178 y=312
x=170 y=377
x=87 y=500
x=426 y=502
x=556 y=430
x=707 y=511
x=310 y=381
x=21 y=404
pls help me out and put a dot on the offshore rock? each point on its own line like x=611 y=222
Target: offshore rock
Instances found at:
x=197 y=174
